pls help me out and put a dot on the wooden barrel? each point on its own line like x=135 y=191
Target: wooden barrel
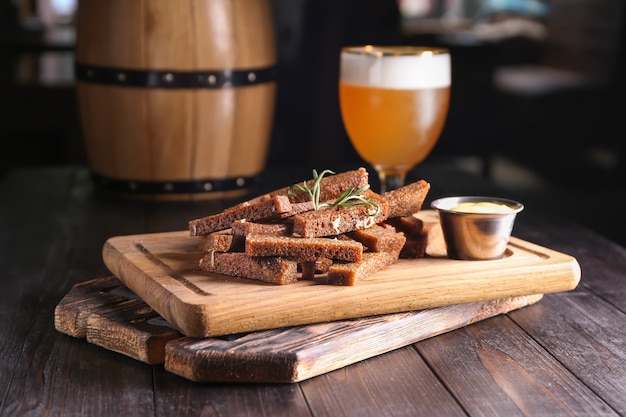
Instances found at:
x=176 y=97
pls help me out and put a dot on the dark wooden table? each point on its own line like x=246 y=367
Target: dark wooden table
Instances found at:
x=565 y=355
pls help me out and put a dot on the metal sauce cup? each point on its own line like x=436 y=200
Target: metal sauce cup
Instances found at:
x=476 y=228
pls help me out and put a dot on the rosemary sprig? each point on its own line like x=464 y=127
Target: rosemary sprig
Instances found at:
x=314 y=192
x=349 y=198
x=352 y=197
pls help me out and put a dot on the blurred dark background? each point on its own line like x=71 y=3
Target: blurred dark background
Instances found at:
x=537 y=84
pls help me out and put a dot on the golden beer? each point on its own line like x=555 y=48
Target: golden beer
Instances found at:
x=393 y=128
x=394 y=102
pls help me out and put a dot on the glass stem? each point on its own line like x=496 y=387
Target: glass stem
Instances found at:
x=390 y=180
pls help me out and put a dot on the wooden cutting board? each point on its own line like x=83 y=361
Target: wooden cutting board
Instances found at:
x=109 y=315
x=162 y=269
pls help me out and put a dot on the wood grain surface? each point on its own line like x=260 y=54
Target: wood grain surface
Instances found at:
x=162 y=269
x=109 y=315
x=564 y=355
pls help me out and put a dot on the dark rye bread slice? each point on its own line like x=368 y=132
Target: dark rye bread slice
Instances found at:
x=309 y=269
x=423 y=233
x=336 y=220
x=304 y=249
x=435 y=243
x=349 y=273
x=408 y=199
x=222 y=241
x=411 y=226
x=331 y=186
x=416 y=237
x=414 y=247
x=379 y=238
x=274 y=270
x=244 y=228
x=297 y=208
x=271 y=208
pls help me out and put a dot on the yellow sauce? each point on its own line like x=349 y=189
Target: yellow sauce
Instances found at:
x=482 y=207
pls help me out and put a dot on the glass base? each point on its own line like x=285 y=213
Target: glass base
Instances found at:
x=390 y=180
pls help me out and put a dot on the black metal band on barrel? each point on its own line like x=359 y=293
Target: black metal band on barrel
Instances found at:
x=174 y=187
x=174 y=79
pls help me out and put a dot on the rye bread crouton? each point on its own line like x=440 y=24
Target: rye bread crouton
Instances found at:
x=274 y=270
x=407 y=200
x=379 y=238
x=414 y=247
x=349 y=273
x=304 y=249
x=414 y=230
x=424 y=235
x=310 y=269
x=336 y=220
x=411 y=226
x=435 y=243
x=245 y=228
x=222 y=241
x=261 y=210
x=331 y=186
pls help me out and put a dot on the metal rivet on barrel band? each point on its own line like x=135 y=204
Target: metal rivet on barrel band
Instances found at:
x=130 y=77
x=175 y=187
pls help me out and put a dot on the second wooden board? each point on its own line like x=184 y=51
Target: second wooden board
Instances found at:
x=109 y=315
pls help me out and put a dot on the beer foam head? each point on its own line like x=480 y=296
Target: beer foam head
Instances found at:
x=395 y=68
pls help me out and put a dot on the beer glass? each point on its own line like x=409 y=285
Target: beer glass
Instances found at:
x=394 y=102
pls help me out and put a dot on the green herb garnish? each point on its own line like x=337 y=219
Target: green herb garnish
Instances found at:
x=314 y=192
x=349 y=198
x=352 y=197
